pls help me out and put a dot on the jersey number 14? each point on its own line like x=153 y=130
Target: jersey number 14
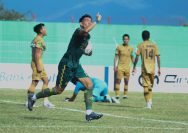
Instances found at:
x=149 y=53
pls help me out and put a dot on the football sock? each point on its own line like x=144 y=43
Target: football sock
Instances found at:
x=88 y=112
x=46 y=93
x=117 y=88
x=125 y=90
x=146 y=93
x=88 y=98
x=150 y=94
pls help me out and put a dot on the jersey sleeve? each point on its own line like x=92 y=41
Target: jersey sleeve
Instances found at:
x=38 y=44
x=117 y=50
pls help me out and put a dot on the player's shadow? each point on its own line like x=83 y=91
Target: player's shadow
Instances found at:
x=118 y=105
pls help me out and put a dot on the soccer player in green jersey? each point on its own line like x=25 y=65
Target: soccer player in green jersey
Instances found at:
x=69 y=67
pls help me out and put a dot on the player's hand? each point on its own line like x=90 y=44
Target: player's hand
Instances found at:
x=89 y=54
x=98 y=17
x=67 y=99
x=159 y=72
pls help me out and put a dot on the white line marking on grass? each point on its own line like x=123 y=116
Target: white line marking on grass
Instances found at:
x=111 y=115
x=96 y=127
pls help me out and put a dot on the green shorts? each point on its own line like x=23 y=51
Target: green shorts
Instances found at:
x=66 y=74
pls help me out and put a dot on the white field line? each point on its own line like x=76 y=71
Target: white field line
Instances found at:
x=110 y=115
x=96 y=127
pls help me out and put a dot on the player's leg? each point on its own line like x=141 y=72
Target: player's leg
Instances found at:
x=151 y=77
x=86 y=81
x=62 y=79
x=126 y=82
x=119 y=76
x=35 y=79
x=46 y=102
x=146 y=85
x=31 y=90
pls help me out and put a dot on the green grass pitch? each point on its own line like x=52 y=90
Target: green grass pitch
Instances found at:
x=168 y=115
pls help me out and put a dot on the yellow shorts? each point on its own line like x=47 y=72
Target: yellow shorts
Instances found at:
x=122 y=74
x=35 y=74
x=147 y=79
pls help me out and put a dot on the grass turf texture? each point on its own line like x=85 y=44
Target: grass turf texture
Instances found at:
x=168 y=115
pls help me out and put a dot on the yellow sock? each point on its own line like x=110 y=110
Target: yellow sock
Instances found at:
x=125 y=90
x=117 y=88
x=150 y=94
x=146 y=94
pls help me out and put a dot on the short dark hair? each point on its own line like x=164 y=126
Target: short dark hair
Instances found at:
x=38 y=27
x=145 y=35
x=85 y=16
x=125 y=36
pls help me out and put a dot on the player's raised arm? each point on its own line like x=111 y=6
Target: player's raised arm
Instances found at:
x=87 y=24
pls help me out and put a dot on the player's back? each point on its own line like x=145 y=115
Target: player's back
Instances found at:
x=98 y=84
x=148 y=50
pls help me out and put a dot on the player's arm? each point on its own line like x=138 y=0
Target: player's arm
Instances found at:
x=159 y=65
x=37 y=56
x=136 y=59
x=132 y=57
x=78 y=87
x=85 y=31
x=72 y=98
x=135 y=63
x=116 y=59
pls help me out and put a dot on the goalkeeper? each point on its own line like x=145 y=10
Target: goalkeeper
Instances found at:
x=100 y=91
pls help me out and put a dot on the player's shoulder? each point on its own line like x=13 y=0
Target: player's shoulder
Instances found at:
x=140 y=44
x=38 y=39
x=38 y=42
x=119 y=46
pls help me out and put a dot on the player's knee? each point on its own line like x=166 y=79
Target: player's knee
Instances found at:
x=146 y=93
x=118 y=81
x=89 y=85
x=126 y=82
x=58 y=90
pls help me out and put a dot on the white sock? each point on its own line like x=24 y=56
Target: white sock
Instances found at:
x=34 y=97
x=46 y=99
x=88 y=112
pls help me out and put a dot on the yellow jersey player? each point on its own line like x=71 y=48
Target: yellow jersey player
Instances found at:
x=148 y=51
x=38 y=47
x=122 y=63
